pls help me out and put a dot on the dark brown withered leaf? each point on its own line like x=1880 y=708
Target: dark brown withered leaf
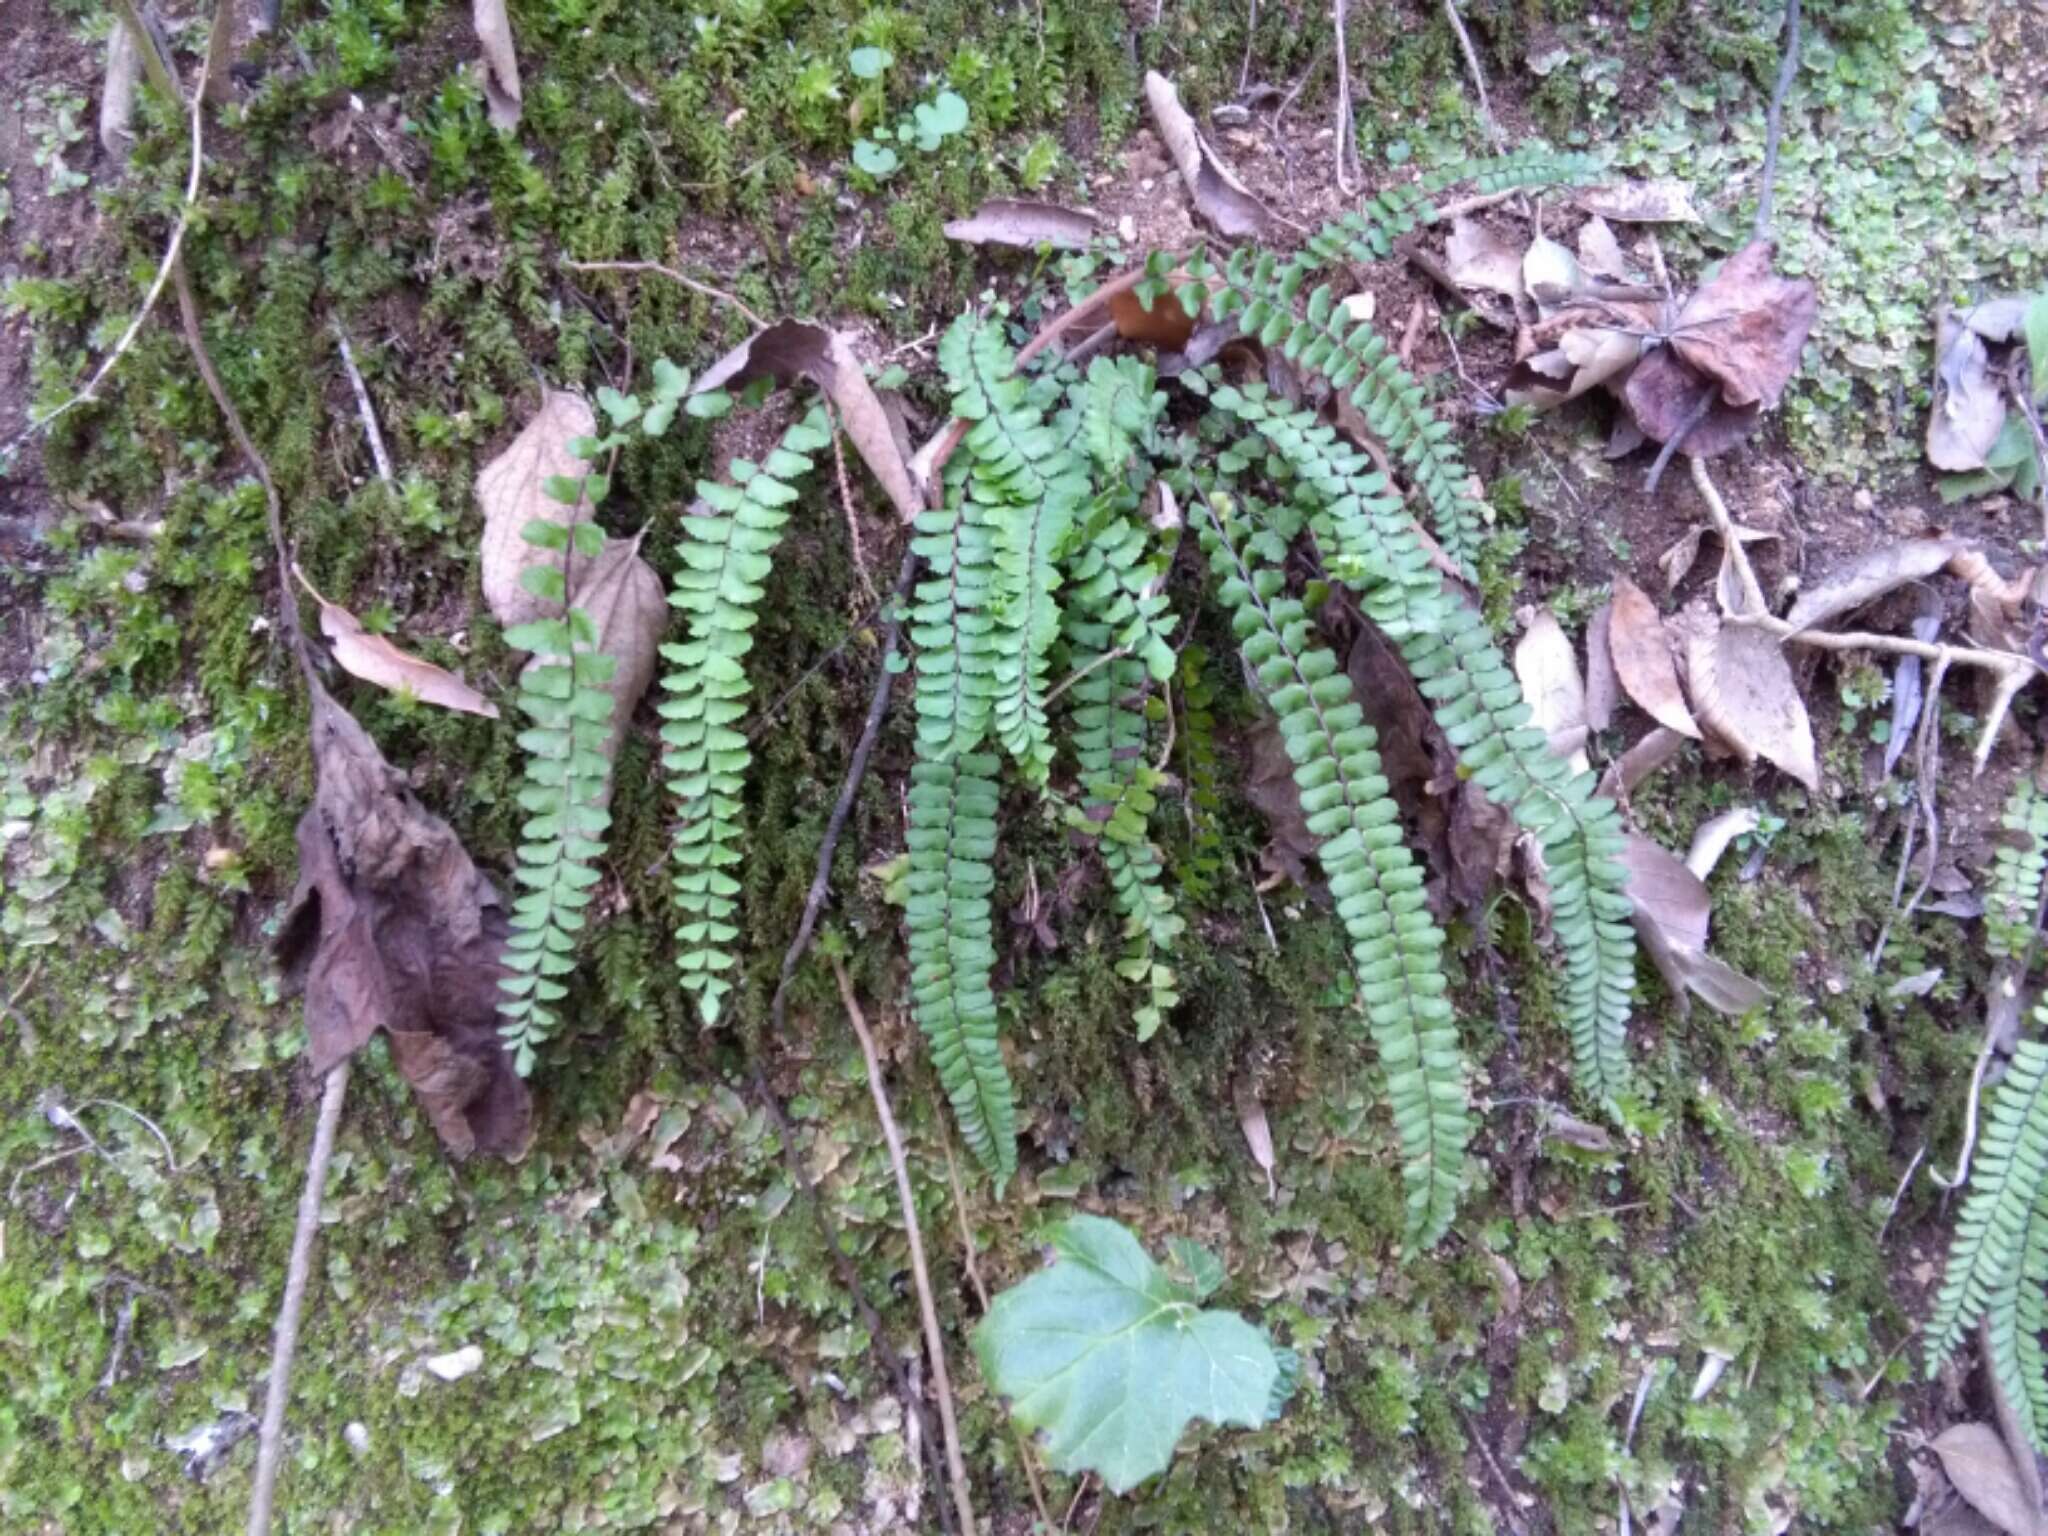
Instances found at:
x=392 y=927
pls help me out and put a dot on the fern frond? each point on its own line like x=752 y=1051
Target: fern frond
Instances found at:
x=1478 y=703
x=1396 y=947
x=1989 y=1251
x=1368 y=232
x=1029 y=484
x=723 y=560
x=2016 y=869
x=1356 y=360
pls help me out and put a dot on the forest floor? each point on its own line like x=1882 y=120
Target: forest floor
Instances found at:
x=664 y=1345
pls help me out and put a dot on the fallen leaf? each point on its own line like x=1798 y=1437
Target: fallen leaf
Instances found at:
x=1549 y=674
x=512 y=490
x=376 y=660
x=624 y=600
x=393 y=928
x=1550 y=273
x=1976 y=1460
x=1677 y=561
x=1574 y=1132
x=1599 y=252
x=501 y=63
x=117 y=95
x=1743 y=692
x=1869 y=577
x=1384 y=689
x=1661 y=395
x=1642 y=658
x=1165 y=325
x=1603 y=688
x=1584 y=358
x=2025 y=1461
x=1714 y=835
x=1270 y=789
x=1919 y=984
x=1969 y=406
x=1671 y=917
x=1999 y=615
x=790 y=350
x=1640 y=202
x=1745 y=327
x=1658 y=747
x=1258 y=1134
x=1997 y=320
x=1218 y=196
x=1026 y=225
x=1477 y=257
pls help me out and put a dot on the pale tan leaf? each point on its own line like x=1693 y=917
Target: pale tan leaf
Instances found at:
x=1549 y=674
x=1869 y=577
x=1743 y=692
x=512 y=491
x=1976 y=1460
x=1641 y=202
x=501 y=63
x=790 y=350
x=1550 y=273
x=1026 y=225
x=1642 y=658
x=1218 y=196
x=1258 y=1134
x=117 y=98
x=1658 y=747
x=1969 y=407
x=1574 y=1132
x=1677 y=561
x=1714 y=835
x=1603 y=688
x=1999 y=615
x=624 y=600
x=1477 y=257
x=376 y=660
x=1599 y=252
x=1671 y=917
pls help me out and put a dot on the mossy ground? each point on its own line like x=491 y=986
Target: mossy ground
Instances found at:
x=662 y=1336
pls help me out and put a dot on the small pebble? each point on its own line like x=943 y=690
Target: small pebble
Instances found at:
x=357 y=1436
x=456 y=1364
x=1127 y=229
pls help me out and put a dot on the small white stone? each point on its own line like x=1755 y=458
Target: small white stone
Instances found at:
x=456 y=1364
x=357 y=1438
x=1127 y=229
x=1361 y=306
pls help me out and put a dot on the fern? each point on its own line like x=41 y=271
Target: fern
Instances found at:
x=1395 y=944
x=723 y=559
x=1368 y=233
x=2016 y=870
x=1999 y=1247
x=565 y=779
x=1479 y=705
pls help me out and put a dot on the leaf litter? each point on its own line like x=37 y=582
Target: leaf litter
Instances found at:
x=376 y=660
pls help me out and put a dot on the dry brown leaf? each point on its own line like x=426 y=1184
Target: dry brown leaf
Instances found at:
x=1745 y=327
x=1977 y=1461
x=1574 y=1132
x=117 y=96
x=790 y=350
x=1642 y=658
x=1969 y=406
x=623 y=599
x=512 y=492
x=1550 y=273
x=1026 y=225
x=501 y=63
x=1743 y=692
x=1671 y=918
x=1584 y=358
x=1658 y=747
x=376 y=660
x=1258 y=1133
x=1599 y=252
x=1603 y=688
x=1218 y=196
x=1270 y=788
x=1641 y=202
x=1165 y=325
x=1477 y=257
x=1869 y=577
x=1548 y=671
x=1661 y=395
x=392 y=927
x=1999 y=615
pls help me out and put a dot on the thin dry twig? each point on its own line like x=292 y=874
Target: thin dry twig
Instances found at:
x=860 y=554
x=928 y=1312
x=364 y=409
x=1478 y=75
x=1774 y=119
x=1500 y=1476
x=716 y=295
x=1345 y=149
x=285 y=1337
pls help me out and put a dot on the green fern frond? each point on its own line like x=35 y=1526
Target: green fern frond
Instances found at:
x=1373 y=548
x=1990 y=1251
x=2016 y=869
x=723 y=560
x=1368 y=232
x=1396 y=947
x=1029 y=484
x=564 y=782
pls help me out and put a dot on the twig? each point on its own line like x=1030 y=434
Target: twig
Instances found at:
x=165 y=268
x=1899 y=1193
x=1499 y=1476
x=1073 y=677
x=124 y=1324
x=1345 y=150
x=1774 y=120
x=1080 y=1489
x=1676 y=441
x=1473 y=204
x=1962 y=1172
x=934 y=1340
x=363 y=407
x=716 y=295
x=285 y=1340
x=860 y=554
x=1251 y=35
x=2012 y=670
x=170 y=1157
x=1472 y=67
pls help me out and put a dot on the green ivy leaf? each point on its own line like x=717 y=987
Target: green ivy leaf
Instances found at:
x=868 y=63
x=1111 y=1359
x=877 y=160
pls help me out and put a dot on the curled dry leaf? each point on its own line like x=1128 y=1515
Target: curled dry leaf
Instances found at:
x=1218 y=196
x=1550 y=273
x=1477 y=257
x=1600 y=253
x=1583 y=359
x=1603 y=688
x=1869 y=577
x=1026 y=225
x=376 y=660
x=797 y=349
x=392 y=927
x=1549 y=674
x=501 y=63
x=1714 y=836
x=1641 y=202
x=624 y=601
x=1744 y=694
x=1969 y=406
x=1981 y=1467
x=1677 y=562
x=1258 y=1134
x=1625 y=773
x=1908 y=692
x=1164 y=325
x=1642 y=658
x=1672 y=910
x=1999 y=615
x=512 y=491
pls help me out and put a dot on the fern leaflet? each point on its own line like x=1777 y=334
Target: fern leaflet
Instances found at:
x=2016 y=868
